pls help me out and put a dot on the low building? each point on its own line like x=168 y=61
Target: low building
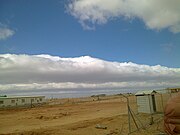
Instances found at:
x=16 y=101
x=173 y=90
x=146 y=101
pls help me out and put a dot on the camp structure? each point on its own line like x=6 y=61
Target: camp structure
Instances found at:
x=146 y=101
x=17 y=101
x=173 y=90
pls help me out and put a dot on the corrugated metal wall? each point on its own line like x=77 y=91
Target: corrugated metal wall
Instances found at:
x=145 y=104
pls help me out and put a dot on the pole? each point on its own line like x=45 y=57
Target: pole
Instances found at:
x=162 y=102
x=151 y=119
x=133 y=119
x=129 y=125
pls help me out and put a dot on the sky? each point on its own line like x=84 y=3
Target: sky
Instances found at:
x=89 y=44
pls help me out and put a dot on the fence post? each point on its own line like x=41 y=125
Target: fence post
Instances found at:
x=129 y=124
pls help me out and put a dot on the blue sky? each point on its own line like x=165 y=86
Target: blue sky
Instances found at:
x=85 y=45
x=45 y=27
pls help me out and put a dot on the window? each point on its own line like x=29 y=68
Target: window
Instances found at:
x=32 y=100
x=23 y=100
x=12 y=101
x=40 y=99
x=1 y=102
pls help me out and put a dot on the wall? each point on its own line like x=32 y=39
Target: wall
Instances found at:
x=145 y=104
x=162 y=99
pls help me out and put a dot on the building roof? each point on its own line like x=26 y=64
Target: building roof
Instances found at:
x=8 y=97
x=145 y=92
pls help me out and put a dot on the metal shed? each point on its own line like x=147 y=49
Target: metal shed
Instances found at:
x=146 y=101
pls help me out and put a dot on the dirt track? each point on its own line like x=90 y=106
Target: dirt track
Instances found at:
x=68 y=118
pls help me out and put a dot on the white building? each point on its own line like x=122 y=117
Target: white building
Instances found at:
x=15 y=101
x=146 y=101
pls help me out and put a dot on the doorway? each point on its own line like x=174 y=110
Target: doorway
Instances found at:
x=154 y=103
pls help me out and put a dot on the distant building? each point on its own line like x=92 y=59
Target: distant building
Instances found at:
x=146 y=101
x=173 y=90
x=15 y=101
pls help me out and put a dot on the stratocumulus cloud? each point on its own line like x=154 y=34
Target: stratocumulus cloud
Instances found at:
x=31 y=72
x=155 y=14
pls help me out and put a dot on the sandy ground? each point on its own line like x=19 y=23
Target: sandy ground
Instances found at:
x=77 y=117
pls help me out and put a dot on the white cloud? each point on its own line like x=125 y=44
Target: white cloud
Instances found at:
x=71 y=85
x=5 y=32
x=30 y=72
x=155 y=14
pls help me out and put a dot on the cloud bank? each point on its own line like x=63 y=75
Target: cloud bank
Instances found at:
x=5 y=32
x=155 y=14
x=32 y=72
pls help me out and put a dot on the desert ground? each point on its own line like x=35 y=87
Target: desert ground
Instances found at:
x=105 y=115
